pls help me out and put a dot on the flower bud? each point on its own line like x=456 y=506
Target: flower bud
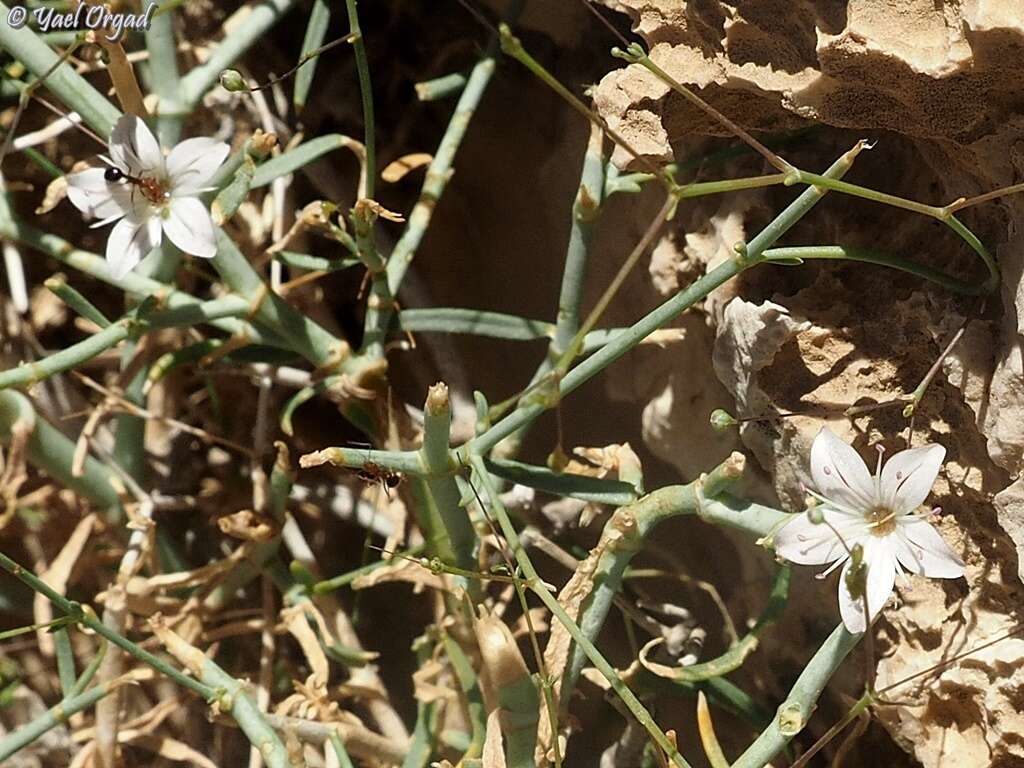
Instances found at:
x=722 y=420
x=232 y=80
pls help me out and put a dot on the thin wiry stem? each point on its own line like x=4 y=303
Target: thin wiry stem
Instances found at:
x=366 y=94
x=538 y=587
x=257 y=20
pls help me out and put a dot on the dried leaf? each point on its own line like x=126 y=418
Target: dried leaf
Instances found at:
x=296 y=622
x=139 y=586
x=192 y=658
x=57 y=576
x=56 y=191
x=502 y=659
x=248 y=526
x=572 y=596
x=397 y=169
x=494 y=753
x=426 y=687
x=401 y=570
x=166 y=747
x=365 y=204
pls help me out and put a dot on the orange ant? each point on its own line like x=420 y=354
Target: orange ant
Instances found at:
x=151 y=189
x=372 y=472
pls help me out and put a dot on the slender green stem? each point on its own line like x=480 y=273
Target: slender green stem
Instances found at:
x=132 y=283
x=537 y=586
x=258 y=19
x=59 y=286
x=301 y=334
x=478 y=322
x=439 y=170
x=88 y=619
x=50 y=450
x=344 y=761
x=840 y=252
x=366 y=93
x=344 y=579
x=470 y=687
x=629 y=338
x=629 y=527
x=733 y=658
x=70 y=87
x=793 y=714
x=441 y=87
x=453 y=537
x=163 y=77
x=316 y=31
x=228 y=693
x=28 y=374
x=65 y=660
x=58 y=714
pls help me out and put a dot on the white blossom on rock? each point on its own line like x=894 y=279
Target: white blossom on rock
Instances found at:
x=879 y=513
x=148 y=194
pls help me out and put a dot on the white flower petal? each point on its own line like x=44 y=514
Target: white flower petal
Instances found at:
x=806 y=543
x=133 y=148
x=188 y=225
x=923 y=551
x=908 y=477
x=881 y=562
x=192 y=162
x=94 y=196
x=839 y=473
x=129 y=241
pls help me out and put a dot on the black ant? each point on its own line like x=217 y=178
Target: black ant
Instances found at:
x=151 y=189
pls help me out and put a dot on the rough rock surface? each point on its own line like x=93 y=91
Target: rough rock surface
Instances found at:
x=937 y=84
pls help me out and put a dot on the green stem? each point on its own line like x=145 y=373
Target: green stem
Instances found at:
x=58 y=714
x=366 y=92
x=441 y=87
x=28 y=374
x=59 y=286
x=630 y=526
x=629 y=338
x=301 y=334
x=439 y=170
x=88 y=619
x=50 y=450
x=132 y=283
x=70 y=87
x=164 y=78
x=538 y=587
x=459 y=539
x=259 y=18
x=840 y=252
x=793 y=714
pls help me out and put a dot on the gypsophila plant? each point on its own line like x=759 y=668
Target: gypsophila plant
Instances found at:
x=192 y=565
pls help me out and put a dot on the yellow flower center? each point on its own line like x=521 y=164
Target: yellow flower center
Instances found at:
x=881 y=520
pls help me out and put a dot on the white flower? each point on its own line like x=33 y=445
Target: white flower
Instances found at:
x=878 y=513
x=150 y=194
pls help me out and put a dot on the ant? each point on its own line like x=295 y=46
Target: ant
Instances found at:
x=151 y=189
x=372 y=472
